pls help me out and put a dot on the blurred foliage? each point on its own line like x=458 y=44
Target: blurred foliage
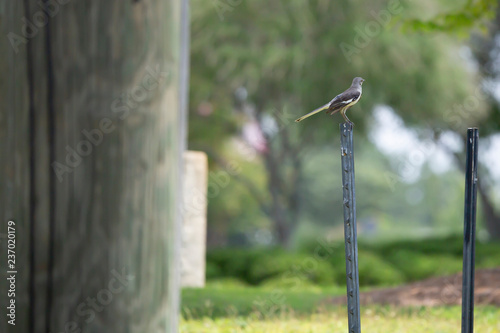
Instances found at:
x=290 y=57
x=284 y=282
x=232 y=202
x=288 y=54
x=374 y=270
x=291 y=268
x=212 y=270
x=237 y=262
x=450 y=245
x=323 y=263
x=423 y=265
x=474 y=14
x=226 y=283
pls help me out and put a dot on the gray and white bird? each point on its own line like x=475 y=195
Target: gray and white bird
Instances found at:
x=342 y=101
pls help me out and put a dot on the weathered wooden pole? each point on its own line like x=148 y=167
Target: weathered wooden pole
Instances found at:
x=469 y=231
x=92 y=99
x=350 y=233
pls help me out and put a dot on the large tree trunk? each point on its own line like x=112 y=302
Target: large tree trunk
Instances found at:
x=485 y=51
x=284 y=187
x=92 y=135
x=492 y=219
x=276 y=211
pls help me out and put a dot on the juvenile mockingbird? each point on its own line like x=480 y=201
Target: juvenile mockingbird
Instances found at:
x=341 y=102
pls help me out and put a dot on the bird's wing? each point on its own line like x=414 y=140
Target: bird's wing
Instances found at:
x=347 y=97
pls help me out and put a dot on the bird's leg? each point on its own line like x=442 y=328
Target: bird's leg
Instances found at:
x=343 y=112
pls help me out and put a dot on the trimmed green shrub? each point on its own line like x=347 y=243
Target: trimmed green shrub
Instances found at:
x=450 y=245
x=237 y=262
x=226 y=283
x=488 y=255
x=375 y=271
x=292 y=266
x=212 y=271
x=324 y=263
x=289 y=283
x=417 y=266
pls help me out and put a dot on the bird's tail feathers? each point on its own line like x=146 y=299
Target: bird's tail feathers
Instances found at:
x=324 y=107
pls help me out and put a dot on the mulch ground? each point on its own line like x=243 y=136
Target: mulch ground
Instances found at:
x=446 y=290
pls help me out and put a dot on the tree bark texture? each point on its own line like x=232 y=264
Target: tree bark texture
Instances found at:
x=92 y=130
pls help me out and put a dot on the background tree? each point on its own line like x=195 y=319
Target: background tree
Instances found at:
x=480 y=21
x=291 y=57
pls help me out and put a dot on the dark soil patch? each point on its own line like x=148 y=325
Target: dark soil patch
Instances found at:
x=446 y=290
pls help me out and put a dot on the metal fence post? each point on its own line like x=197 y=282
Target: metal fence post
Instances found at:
x=350 y=234
x=469 y=231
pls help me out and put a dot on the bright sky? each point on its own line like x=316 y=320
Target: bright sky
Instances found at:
x=393 y=139
x=490 y=155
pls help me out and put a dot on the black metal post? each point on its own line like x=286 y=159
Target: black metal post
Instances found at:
x=469 y=231
x=350 y=234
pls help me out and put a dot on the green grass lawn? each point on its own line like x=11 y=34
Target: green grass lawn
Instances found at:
x=271 y=290
x=220 y=301
x=253 y=309
x=373 y=320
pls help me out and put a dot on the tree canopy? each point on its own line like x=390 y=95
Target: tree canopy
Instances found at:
x=292 y=56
